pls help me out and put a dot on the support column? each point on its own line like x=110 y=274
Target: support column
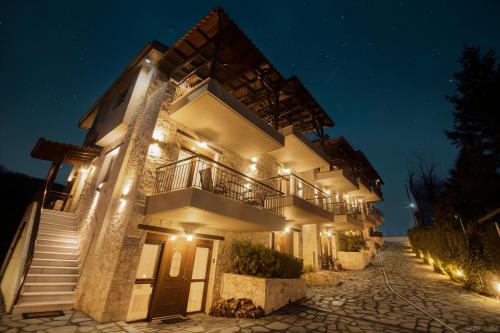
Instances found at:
x=311 y=245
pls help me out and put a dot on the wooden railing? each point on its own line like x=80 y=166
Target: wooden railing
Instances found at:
x=209 y=175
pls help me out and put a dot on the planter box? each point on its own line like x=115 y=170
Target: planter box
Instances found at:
x=270 y=294
x=352 y=261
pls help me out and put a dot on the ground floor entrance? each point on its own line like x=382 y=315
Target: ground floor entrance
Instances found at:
x=176 y=269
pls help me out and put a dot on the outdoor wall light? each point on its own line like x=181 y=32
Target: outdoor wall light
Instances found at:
x=254 y=159
x=287 y=229
x=173 y=238
x=286 y=170
x=189 y=238
x=126 y=188
x=148 y=60
x=100 y=186
x=154 y=150
x=498 y=287
x=159 y=134
x=253 y=167
x=123 y=202
x=460 y=273
x=202 y=144
x=327 y=192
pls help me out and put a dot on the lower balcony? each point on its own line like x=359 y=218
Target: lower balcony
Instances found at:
x=346 y=217
x=203 y=192
x=303 y=202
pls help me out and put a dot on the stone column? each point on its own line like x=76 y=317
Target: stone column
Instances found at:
x=311 y=245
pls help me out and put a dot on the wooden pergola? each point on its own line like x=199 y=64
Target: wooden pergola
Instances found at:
x=218 y=49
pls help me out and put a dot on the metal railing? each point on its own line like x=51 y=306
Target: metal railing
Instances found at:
x=185 y=87
x=343 y=208
x=373 y=211
x=209 y=175
x=294 y=185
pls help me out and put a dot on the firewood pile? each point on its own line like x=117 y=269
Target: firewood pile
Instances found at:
x=239 y=308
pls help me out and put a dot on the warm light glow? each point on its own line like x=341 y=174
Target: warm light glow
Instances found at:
x=431 y=261
x=498 y=287
x=254 y=159
x=346 y=196
x=159 y=134
x=202 y=144
x=247 y=186
x=287 y=229
x=286 y=170
x=173 y=238
x=360 y=200
x=460 y=274
x=92 y=169
x=337 y=197
x=253 y=167
x=147 y=60
x=126 y=188
x=155 y=150
x=327 y=192
x=101 y=185
x=84 y=170
x=189 y=238
x=123 y=202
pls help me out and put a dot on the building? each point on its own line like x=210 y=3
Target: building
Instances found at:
x=194 y=146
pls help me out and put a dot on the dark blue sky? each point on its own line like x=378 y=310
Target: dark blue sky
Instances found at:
x=380 y=68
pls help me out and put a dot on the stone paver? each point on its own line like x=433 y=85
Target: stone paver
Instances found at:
x=362 y=302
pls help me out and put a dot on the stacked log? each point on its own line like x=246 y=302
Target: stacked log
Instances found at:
x=239 y=308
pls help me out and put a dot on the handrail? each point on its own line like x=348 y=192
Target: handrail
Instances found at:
x=303 y=181
x=203 y=157
x=206 y=174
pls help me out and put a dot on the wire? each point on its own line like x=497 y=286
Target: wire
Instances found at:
x=408 y=301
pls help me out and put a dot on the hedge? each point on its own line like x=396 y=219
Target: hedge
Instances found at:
x=351 y=243
x=473 y=253
x=258 y=260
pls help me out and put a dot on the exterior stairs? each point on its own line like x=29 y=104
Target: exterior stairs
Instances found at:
x=54 y=271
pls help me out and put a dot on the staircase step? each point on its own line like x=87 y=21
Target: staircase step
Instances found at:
x=52 y=270
x=56 y=249
x=56 y=256
x=30 y=307
x=50 y=242
x=47 y=296
x=57 y=225
x=57 y=213
x=54 y=263
x=49 y=229
x=44 y=235
x=48 y=286
x=51 y=278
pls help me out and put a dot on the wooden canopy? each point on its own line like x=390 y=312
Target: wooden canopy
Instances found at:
x=344 y=156
x=62 y=152
x=217 y=48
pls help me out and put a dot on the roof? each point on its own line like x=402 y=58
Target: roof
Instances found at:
x=62 y=152
x=243 y=71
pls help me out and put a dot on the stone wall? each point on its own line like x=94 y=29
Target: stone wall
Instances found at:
x=270 y=294
x=352 y=261
x=311 y=245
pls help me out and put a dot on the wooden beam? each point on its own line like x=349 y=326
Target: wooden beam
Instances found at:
x=170 y=231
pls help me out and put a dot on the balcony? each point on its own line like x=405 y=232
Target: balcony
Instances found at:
x=303 y=202
x=368 y=192
x=299 y=153
x=337 y=180
x=201 y=191
x=206 y=108
x=345 y=217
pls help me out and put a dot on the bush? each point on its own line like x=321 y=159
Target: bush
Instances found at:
x=376 y=234
x=451 y=251
x=258 y=260
x=351 y=243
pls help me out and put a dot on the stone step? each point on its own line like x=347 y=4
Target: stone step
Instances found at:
x=47 y=296
x=49 y=229
x=48 y=286
x=30 y=307
x=52 y=270
x=56 y=256
x=51 y=278
x=50 y=242
x=58 y=225
x=54 y=263
x=43 y=235
x=56 y=249
x=58 y=214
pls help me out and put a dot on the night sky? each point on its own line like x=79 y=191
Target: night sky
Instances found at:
x=381 y=69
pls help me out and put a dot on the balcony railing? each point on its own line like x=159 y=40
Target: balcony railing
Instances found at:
x=375 y=212
x=209 y=175
x=294 y=185
x=186 y=86
x=348 y=175
x=343 y=208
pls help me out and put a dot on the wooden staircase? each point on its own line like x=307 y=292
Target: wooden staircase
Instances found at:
x=54 y=270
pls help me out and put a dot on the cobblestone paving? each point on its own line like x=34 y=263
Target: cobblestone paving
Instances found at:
x=362 y=303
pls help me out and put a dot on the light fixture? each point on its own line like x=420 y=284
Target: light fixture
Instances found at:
x=101 y=185
x=498 y=287
x=202 y=144
x=286 y=170
x=154 y=150
x=431 y=262
x=126 y=188
x=246 y=185
x=173 y=238
x=327 y=192
x=253 y=167
x=92 y=169
x=412 y=205
x=147 y=60
x=123 y=202
x=254 y=159
x=460 y=273
x=159 y=134
x=189 y=238
x=287 y=229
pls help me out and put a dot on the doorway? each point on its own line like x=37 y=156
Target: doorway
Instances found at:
x=182 y=279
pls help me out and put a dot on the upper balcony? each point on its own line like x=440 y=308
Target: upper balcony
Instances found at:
x=208 y=109
x=303 y=203
x=346 y=217
x=368 y=192
x=299 y=153
x=201 y=191
x=337 y=180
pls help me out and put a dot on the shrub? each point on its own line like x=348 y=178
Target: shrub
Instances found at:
x=258 y=260
x=351 y=243
x=376 y=234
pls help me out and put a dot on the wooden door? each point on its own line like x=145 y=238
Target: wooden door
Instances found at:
x=172 y=287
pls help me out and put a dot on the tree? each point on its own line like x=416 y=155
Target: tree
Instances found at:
x=473 y=188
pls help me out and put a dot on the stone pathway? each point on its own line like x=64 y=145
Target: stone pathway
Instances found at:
x=362 y=303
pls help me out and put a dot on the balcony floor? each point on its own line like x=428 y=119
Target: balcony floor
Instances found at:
x=300 y=211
